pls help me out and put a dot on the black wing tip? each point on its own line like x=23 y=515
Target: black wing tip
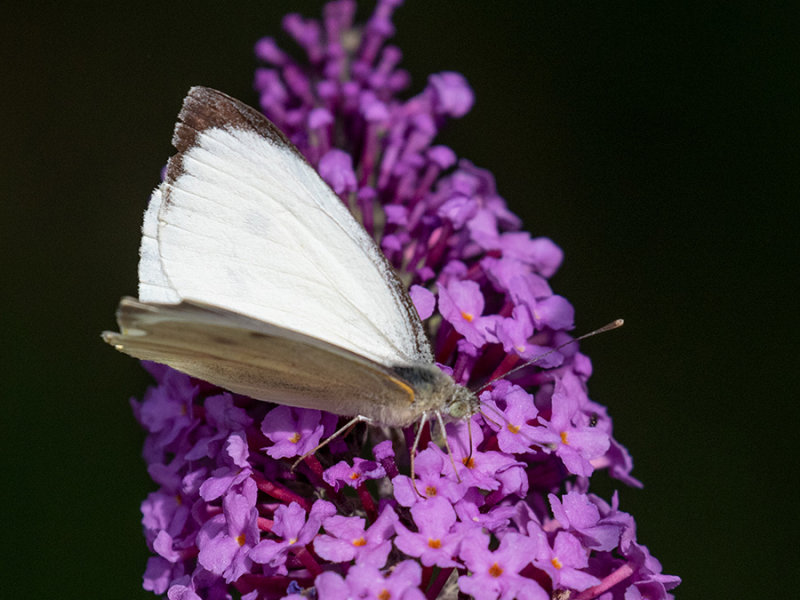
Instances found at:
x=205 y=108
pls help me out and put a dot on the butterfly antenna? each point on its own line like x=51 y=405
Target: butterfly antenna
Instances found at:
x=339 y=432
x=603 y=329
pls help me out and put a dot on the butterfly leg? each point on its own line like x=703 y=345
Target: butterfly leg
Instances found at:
x=447 y=445
x=469 y=432
x=341 y=431
x=423 y=419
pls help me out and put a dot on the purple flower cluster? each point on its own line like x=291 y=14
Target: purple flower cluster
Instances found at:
x=514 y=518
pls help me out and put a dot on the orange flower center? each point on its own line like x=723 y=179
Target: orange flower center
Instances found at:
x=468 y=462
x=468 y=317
x=495 y=570
x=360 y=542
x=430 y=490
x=556 y=563
x=513 y=428
x=434 y=543
x=295 y=438
x=564 y=438
x=354 y=476
x=240 y=539
x=384 y=595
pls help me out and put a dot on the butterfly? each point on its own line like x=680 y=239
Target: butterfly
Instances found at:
x=255 y=277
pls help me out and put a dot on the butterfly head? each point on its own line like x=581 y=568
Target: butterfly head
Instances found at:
x=462 y=404
x=436 y=392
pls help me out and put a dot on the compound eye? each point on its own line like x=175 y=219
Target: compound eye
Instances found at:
x=462 y=407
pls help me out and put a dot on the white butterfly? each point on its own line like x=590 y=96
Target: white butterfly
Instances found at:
x=255 y=277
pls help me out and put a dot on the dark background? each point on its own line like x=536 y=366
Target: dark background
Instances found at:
x=652 y=143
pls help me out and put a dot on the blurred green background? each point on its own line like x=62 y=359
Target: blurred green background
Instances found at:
x=651 y=141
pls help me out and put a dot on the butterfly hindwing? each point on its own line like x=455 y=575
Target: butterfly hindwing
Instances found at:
x=261 y=360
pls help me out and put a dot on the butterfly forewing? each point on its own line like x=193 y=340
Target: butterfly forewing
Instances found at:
x=242 y=221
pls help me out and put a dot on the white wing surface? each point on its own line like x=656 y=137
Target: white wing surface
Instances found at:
x=244 y=223
x=153 y=282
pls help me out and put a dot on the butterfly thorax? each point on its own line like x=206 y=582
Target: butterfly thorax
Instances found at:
x=435 y=391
